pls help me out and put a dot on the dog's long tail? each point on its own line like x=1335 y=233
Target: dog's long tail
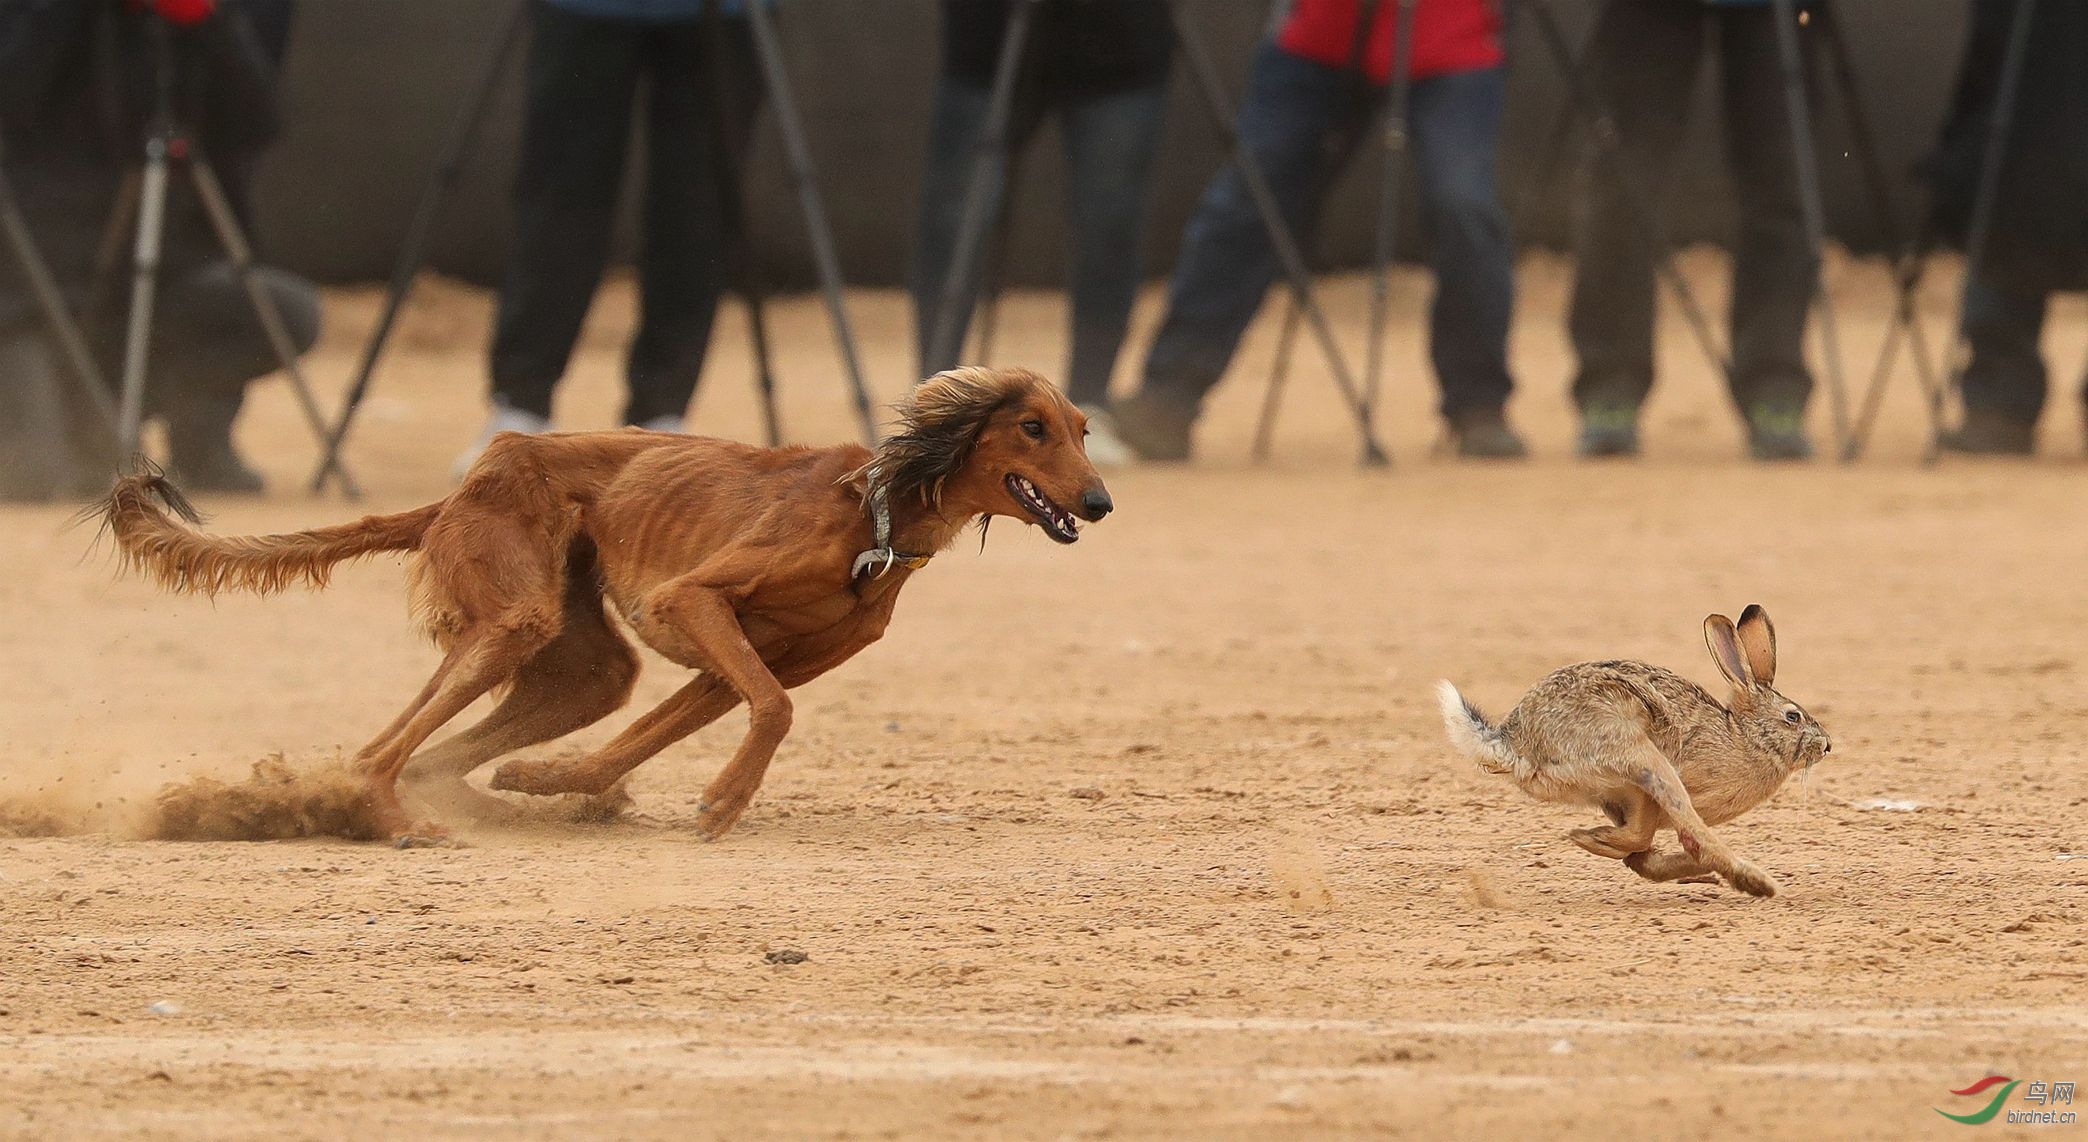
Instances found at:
x=154 y=528
x=1477 y=738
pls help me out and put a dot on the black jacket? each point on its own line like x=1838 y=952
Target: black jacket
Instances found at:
x=1076 y=47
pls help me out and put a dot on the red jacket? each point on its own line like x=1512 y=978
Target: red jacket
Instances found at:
x=1449 y=35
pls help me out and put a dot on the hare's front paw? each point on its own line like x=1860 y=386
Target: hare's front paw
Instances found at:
x=1604 y=841
x=1751 y=880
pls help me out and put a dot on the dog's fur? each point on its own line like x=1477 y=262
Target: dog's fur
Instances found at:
x=732 y=560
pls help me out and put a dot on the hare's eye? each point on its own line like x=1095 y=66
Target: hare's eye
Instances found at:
x=1793 y=717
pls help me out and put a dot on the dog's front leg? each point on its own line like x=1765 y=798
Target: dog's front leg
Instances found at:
x=705 y=616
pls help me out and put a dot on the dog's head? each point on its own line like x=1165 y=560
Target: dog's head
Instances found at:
x=985 y=442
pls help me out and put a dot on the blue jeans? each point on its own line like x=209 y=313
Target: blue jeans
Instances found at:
x=1302 y=122
x=1110 y=139
x=2006 y=375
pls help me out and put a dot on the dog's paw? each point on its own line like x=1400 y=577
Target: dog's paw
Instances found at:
x=714 y=819
x=1751 y=880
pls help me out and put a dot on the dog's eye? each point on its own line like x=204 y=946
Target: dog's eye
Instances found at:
x=1793 y=717
x=1035 y=428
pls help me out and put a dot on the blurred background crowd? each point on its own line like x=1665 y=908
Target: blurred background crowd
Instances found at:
x=629 y=130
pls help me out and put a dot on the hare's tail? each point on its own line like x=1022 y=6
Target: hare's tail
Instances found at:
x=1477 y=738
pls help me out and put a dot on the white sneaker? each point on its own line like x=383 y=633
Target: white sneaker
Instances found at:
x=1105 y=449
x=505 y=419
x=673 y=424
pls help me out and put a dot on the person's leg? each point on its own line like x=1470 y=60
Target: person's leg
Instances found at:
x=1774 y=272
x=957 y=121
x=1456 y=122
x=2005 y=381
x=208 y=345
x=1300 y=122
x=1641 y=64
x=685 y=261
x=581 y=76
x=1110 y=142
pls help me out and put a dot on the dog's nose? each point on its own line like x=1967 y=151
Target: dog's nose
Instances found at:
x=1826 y=747
x=1095 y=503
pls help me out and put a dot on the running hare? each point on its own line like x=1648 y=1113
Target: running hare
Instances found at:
x=1653 y=750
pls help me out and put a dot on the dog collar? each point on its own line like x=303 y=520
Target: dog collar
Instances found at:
x=882 y=557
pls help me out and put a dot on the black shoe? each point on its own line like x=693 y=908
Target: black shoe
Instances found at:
x=1986 y=433
x=1483 y=434
x=1608 y=430
x=1776 y=432
x=1155 y=428
x=214 y=468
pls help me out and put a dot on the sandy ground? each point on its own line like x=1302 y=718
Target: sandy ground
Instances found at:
x=1152 y=835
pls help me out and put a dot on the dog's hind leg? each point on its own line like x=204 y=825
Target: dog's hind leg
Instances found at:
x=582 y=676
x=704 y=700
x=479 y=661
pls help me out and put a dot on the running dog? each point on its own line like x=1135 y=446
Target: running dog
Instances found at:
x=759 y=568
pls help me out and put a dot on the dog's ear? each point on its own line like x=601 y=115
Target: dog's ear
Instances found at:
x=939 y=426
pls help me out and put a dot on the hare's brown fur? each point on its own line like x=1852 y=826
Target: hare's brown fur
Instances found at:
x=1654 y=750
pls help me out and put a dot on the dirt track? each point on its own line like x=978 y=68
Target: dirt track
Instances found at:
x=1156 y=834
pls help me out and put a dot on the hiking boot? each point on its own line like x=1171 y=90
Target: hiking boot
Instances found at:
x=212 y=466
x=1105 y=446
x=1483 y=434
x=1608 y=430
x=1776 y=432
x=1984 y=433
x=504 y=419
x=1153 y=428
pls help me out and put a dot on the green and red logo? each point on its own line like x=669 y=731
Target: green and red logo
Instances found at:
x=1992 y=1108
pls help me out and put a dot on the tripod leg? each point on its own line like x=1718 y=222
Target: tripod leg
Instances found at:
x=994 y=272
x=1609 y=153
x=1279 y=374
x=1198 y=57
x=1906 y=258
x=441 y=182
x=1396 y=133
x=51 y=301
x=955 y=305
x=1983 y=202
x=145 y=257
x=1808 y=167
x=235 y=243
x=821 y=235
x=732 y=213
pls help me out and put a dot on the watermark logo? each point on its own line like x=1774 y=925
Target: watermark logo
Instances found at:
x=2040 y=1094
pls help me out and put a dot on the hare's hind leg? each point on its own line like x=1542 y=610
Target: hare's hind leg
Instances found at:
x=1652 y=772
x=1663 y=868
x=1637 y=819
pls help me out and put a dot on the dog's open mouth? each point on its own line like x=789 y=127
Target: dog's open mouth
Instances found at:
x=1056 y=521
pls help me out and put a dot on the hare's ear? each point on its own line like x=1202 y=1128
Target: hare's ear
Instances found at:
x=1758 y=639
x=1724 y=642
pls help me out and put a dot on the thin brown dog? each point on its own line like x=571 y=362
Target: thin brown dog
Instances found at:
x=760 y=568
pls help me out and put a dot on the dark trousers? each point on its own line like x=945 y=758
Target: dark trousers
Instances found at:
x=1110 y=139
x=1302 y=121
x=2006 y=375
x=583 y=79
x=1643 y=61
x=207 y=345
